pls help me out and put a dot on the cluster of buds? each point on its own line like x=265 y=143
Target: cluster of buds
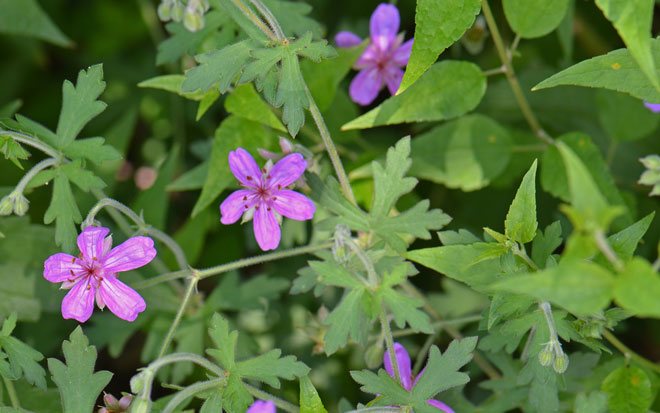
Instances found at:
x=651 y=176
x=112 y=405
x=340 y=250
x=191 y=14
x=15 y=202
x=553 y=354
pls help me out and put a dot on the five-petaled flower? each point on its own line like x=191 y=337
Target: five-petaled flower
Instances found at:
x=261 y=406
x=383 y=59
x=265 y=197
x=403 y=361
x=93 y=274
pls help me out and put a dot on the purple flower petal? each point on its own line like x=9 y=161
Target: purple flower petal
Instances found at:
x=79 y=302
x=121 y=299
x=440 y=405
x=393 y=76
x=653 y=107
x=266 y=228
x=293 y=205
x=262 y=406
x=368 y=59
x=244 y=168
x=346 y=39
x=286 y=171
x=58 y=267
x=403 y=361
x=134 y=253
x=402 y=53
x=366 y=85
x=90 y=242
x=233 y=207
x=384 y=25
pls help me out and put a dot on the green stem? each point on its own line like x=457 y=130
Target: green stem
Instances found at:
x=219 y=269
x=389 y=341
x=330 y=147
x=192 y=390
x=282 y=404
x=440 y=324
x=362 y=255
x=270 y=18
x=511 y=75
x=421 y=355
x=20 y=187
x=35 y=143
x=192 y=285
x=628 y=353
x=11 y=391
x=255 y=19
x=496 y=71
x=606 y=249
x=520 y=252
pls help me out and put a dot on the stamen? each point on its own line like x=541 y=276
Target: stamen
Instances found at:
x=268 y=177
x=279 y=186
x=73 y=260
x=245 y=198
x=71 y=280
x=89 y=287
x=95 y=259
x=246 y=207
x=264 y=169
x=72 y=273
x=256 y=207
x=274 y=198
x=268 y=209
x=249 y=178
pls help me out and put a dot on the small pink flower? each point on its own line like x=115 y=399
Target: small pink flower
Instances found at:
x=93 y=274
x=261 y=406
x=403 y=361
x=383 y=59
x=265 y=197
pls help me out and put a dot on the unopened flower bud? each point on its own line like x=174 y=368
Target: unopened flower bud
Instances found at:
x=205 y=5
x=651 y=162
x=124 y=402
x=21 y=204
x=110 y=400
x=545 y=357
x=141 y=406
x=177 y=11
x=6 y=205
x=374 y=356
x=193 y=20
x=560 y=363
x=286 y=145
x=137 y=383
x=165 y=10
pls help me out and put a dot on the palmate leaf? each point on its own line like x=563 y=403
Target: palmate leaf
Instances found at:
x=270 y=367
x=182 y=41
x=21 y=357
x=78 y=384
x=347 y=318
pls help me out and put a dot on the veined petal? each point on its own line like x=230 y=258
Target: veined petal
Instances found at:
x=79 y=302
x=440 y=405
x=58 y=268
x=402 y=53
x=90 y=242
x=346 y=39
x=366 y=85
x=293 y=205
x=233 y=207
x=384 y=25
x=393 y=76
x=131 y=254
x=244 y=168
x=266 y=228
x=262 y=406
x=403 y=361
x=121 y=299
x=286 y=171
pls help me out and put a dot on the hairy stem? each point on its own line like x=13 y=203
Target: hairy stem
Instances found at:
x=192 y=390
x=511 y=75
x=192 y=286
x=25 y=180
x=421 y=355
x=628 y=353
x=11 y=391
x=270 y=18
x=389 y=342
x=35 y=143
x=255 y=19
x=520 y=252
x=281 y=403
x=605 y=247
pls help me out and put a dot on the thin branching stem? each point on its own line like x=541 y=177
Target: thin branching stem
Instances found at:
x=192 y=287
x=11 y=391
x=628 y=353
x=192 y=390
x=255 y=19
x=270 y=18
x=389 y=342
x=35 y=143
x=605 y=247
x=25 y=180
x=281 y=403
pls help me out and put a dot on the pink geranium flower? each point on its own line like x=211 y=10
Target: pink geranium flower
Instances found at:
x=403 y=361
x=265 y=197
x=383 y=59
x=93 y=274
x=261 y=406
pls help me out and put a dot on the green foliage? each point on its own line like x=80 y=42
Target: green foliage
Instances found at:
x=624 y=117
x=27 y=18
x=637 y=287
x=245 y=102
x=521 y=224
x=628 y=390
x=12 y=150
x=438 y=24
x=310 y=402
x=64 y=211
x=534 y=18
x=78 y=384
x=447 y=90
x=17 y=359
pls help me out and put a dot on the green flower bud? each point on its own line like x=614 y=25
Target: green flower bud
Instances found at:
x=6 y=205
x=177 y=11
x=165 y=10
x=560 y=363
x=651 y=162
x=545 y=357
x=374 y=356
x=21 y=205
x=141 y=406
x=193 y=20
x=137 y=383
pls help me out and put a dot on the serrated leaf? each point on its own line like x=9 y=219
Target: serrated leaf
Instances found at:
x=330 y=273
x=232 y=133
x=83 y=178
x=390 y=182
x=637 y=288
x=224 y=340
x=628 y=389
x=347 y=318
x=183 y=41
x=467 y=153
x=172 y=83
x=236 y=395
x=546 y=243
x=64 y=211
x=329 y=196
x=382 y=383
x=27 y=18
x=438 y=24
x=616 y=70
x=310 y=402
x=270 y=367
x=441 y=372
x=633 y=20
x=520 y=224
x=624 y=243
x=291 y=94
x=23 y=361
x=581 y=287
x=447 y=90
x=534 y=18
x=79 y=104
x=78 y=384
x=405 y=310
x=213 y=404
x=623 y=117
x=93 y=149
x=245 y=102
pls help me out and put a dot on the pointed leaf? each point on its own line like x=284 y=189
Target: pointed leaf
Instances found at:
x=270 y=367
x=628 y=389
x=521 y=224
x=310 y=402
